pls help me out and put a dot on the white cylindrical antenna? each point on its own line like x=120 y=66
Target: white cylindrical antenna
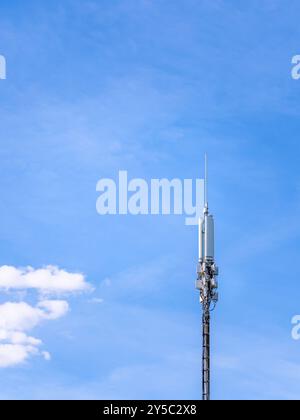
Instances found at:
x=209 y=240
x=201 y=239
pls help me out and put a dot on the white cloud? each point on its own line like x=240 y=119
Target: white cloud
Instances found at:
x=50 y=279
x=17 y=337
x=14 y=354
x=54 y=309
x=46 y=355
x=17 y=318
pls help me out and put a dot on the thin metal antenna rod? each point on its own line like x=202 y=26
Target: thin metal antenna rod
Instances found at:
x=205 y=181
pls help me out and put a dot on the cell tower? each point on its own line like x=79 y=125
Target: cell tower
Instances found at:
x=207 y=284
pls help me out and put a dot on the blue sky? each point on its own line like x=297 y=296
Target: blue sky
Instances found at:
x=94 y=87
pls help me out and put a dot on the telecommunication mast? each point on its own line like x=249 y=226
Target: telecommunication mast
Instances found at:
x=207 y=284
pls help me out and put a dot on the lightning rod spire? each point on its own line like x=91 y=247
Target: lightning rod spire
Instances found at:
x=205 y=181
